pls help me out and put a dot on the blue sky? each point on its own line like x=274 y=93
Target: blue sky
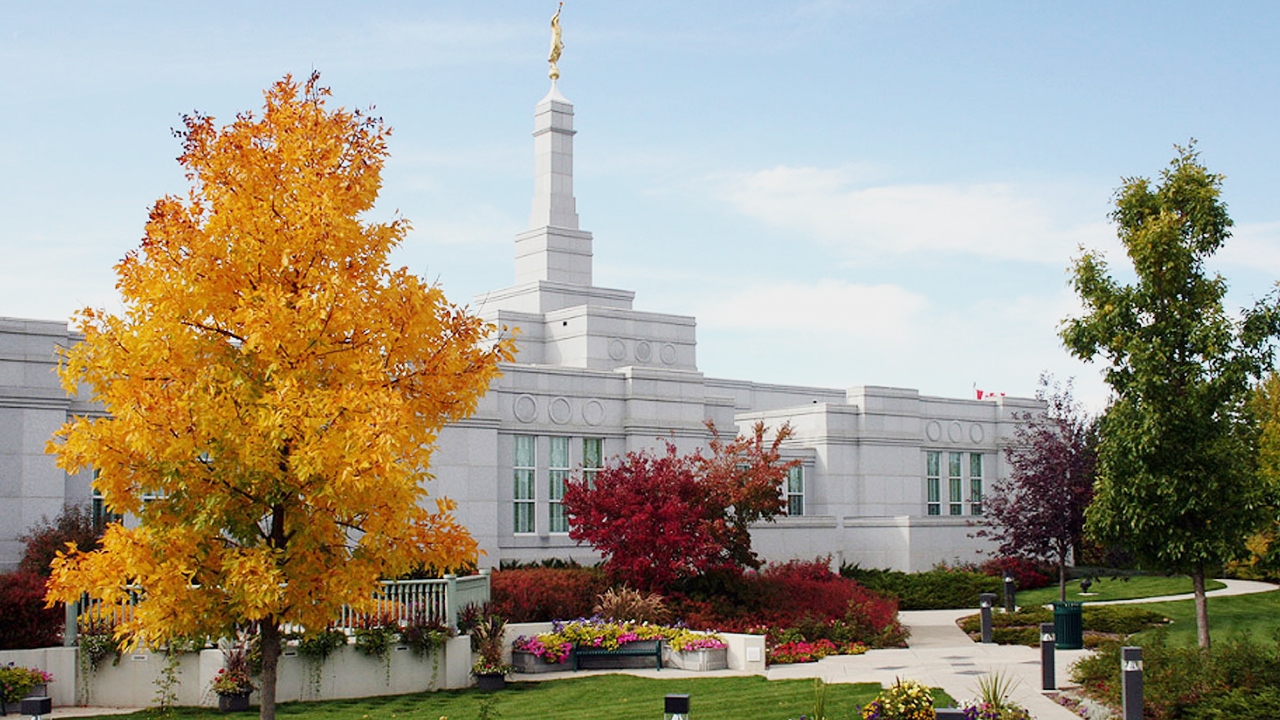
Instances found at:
x=842 y=193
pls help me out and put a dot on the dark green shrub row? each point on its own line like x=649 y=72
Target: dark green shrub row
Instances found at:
x=936 y=589
x=1114 y=619
x=1238 y=678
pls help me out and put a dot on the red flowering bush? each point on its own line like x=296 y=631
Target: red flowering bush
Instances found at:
x=1026 y=574
x=540 y=594
x=801 y=651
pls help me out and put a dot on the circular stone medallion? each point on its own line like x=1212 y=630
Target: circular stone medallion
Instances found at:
x=617 y=349
x=593 y=412
x=560 y=411
x=526 y=408
x=933 y=431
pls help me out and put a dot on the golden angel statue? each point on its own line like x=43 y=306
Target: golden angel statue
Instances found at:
x=557 y=45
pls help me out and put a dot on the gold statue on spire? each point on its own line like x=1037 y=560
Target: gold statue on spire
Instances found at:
x=557 y=45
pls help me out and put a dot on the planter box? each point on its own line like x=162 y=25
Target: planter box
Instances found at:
x=233 y=703
x=648 y=659
x=528 y=663
x=491 y=682
x=717 y=659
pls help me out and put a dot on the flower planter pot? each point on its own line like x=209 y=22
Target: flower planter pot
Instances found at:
x=491 y=682
x=37 y=690
x=527 y=662
x=233 y=703
x=714 y=659
x=645 y=657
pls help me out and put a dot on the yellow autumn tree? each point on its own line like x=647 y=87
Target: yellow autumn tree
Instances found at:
x=274 y=389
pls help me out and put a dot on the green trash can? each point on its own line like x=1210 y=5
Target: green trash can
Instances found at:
x=1068 y=625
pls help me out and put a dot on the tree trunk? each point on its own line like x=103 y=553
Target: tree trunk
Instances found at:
x=270 y=662
x=1202 y=607
x=1062 y=578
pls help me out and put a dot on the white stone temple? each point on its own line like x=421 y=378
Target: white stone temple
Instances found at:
x=887 y=478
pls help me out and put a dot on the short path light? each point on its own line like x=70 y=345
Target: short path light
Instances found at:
x=985 y=603
x=1010 y=603
x=676 y=707
x=1048 y=639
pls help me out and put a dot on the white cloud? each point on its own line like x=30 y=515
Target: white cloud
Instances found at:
x=830 y=307
x=998 y=220
x=1253 y=245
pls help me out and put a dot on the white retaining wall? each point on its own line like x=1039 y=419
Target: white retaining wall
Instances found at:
x=347 y=673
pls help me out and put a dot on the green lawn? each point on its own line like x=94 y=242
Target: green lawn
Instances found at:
x=600 y=697
x=1121 y=588
x=1256 y=616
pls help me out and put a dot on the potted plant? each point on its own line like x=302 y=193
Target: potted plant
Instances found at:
x=233 y=684
x=19 y=682
x=487 y=637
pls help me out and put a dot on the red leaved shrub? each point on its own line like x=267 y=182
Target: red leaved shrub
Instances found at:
x=803 y=595
x=1026 y=574
x=539 y=594
x=27 y=623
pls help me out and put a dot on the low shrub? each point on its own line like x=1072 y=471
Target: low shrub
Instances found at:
x=1188 y=682
x=938 y=589
x=27 y=622
x=542 y=594
x=1120 y=619
x=1022 y=627
x=1016 y=636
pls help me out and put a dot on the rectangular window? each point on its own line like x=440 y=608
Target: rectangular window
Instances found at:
x=933 y=482
x=955 y=483
x=795 y=490
x=558 y=473
x=592 y=459
x=975 y=484
x=525 y=466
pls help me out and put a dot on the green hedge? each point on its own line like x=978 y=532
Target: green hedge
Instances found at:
x=1117 y=619
x=933 y=590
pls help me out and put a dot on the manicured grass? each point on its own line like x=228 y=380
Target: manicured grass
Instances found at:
x=1256 y=616
x=601 y=697
x=1121 y=588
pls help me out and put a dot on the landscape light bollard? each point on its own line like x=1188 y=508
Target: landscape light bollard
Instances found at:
x=676 y=707
x=1009 y=604
x=1131 y=682
x=1047 y=641
x=985 y=602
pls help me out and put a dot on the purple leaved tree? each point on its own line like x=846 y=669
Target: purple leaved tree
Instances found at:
x=1038 y=511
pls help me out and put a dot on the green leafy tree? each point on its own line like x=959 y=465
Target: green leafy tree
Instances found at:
x=1177 y=469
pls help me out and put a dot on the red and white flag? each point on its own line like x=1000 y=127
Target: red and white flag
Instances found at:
x=987 y=394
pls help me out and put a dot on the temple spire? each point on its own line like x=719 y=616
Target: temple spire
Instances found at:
x=553 y=248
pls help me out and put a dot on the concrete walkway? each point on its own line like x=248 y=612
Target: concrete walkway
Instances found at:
x=938 y=654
